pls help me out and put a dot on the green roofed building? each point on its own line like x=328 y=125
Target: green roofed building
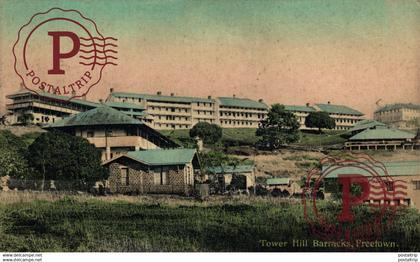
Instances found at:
x=344 y=116
x=182 y=112
x=402 y=116
x=365 y=124
x=168 y=171
x=278 y=181
x=112 y=131
x=384 y=138
x=228 y=172
x=392 y=183
x=43 y=108
x=46 y=108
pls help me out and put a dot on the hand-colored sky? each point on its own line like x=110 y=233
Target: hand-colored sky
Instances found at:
x=351 y=52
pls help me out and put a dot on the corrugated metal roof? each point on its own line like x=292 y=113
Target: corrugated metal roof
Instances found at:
x=395 y=168
x=398 y=106
x=230 y=169
x=365 y=124
x=102 y=115
x=181 y=99
x=277 y=181
x=164 y=156
x=241 y=102
x=338 y=109
x=380 y=133
x=299 y=108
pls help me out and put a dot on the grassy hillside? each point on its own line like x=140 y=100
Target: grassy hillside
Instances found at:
x=230 y=137
x=326 y=138
x=247 y=137
x=73 y=225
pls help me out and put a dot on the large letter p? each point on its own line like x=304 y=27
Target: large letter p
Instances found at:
x=349 y=200
x=57 y=55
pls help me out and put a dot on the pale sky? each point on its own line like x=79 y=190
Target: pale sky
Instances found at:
x=351 y=52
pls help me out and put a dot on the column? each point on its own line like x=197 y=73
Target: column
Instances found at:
x=108 y=153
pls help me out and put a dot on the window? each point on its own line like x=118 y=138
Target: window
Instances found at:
x=417 y=185
x=90 y=133
x=125 y=179
x=160 y=176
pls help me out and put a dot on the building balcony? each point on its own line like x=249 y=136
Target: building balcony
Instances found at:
x=121 y=141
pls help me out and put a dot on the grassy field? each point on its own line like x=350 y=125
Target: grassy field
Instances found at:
x=75 y=224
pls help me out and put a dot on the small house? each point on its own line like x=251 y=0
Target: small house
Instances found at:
x=229 y=172
x=166 y=171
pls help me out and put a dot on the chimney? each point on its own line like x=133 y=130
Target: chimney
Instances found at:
x=208 y=97
x=307 y=104
x=159 y=93
x=111 y=90
x=234 y=96
x=172 y=94
x=329 y=102
x=260 y=100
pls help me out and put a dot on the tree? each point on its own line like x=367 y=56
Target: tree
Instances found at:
x=209 y=133
x=59 y=156
x=319 y=120
x=12 y=161
x=279 y=128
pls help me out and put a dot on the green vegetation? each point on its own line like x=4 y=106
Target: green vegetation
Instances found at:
x=278 y=129
x=29 y=138
x=209 y=133
x=327 y=138
x=12 y=152
x=71 y=225
x=181 y=137
x=319 y=120
x=239 y=137
x=60 y=156
x=217 y=159
x=230 y=137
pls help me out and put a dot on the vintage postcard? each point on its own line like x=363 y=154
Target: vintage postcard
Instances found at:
x=209 y=126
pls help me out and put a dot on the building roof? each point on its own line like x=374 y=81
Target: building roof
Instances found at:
x=395 y=168
x=365 y=124
x=230 y=169
x=241 y=102
x=180 y=99
x=124 y=105
x=56 y=97
x=158 y=157
x=338 y=109
x=299 y=108
x=277 y=181
x=102 y=115
x=397 y=106
x=381 y=133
